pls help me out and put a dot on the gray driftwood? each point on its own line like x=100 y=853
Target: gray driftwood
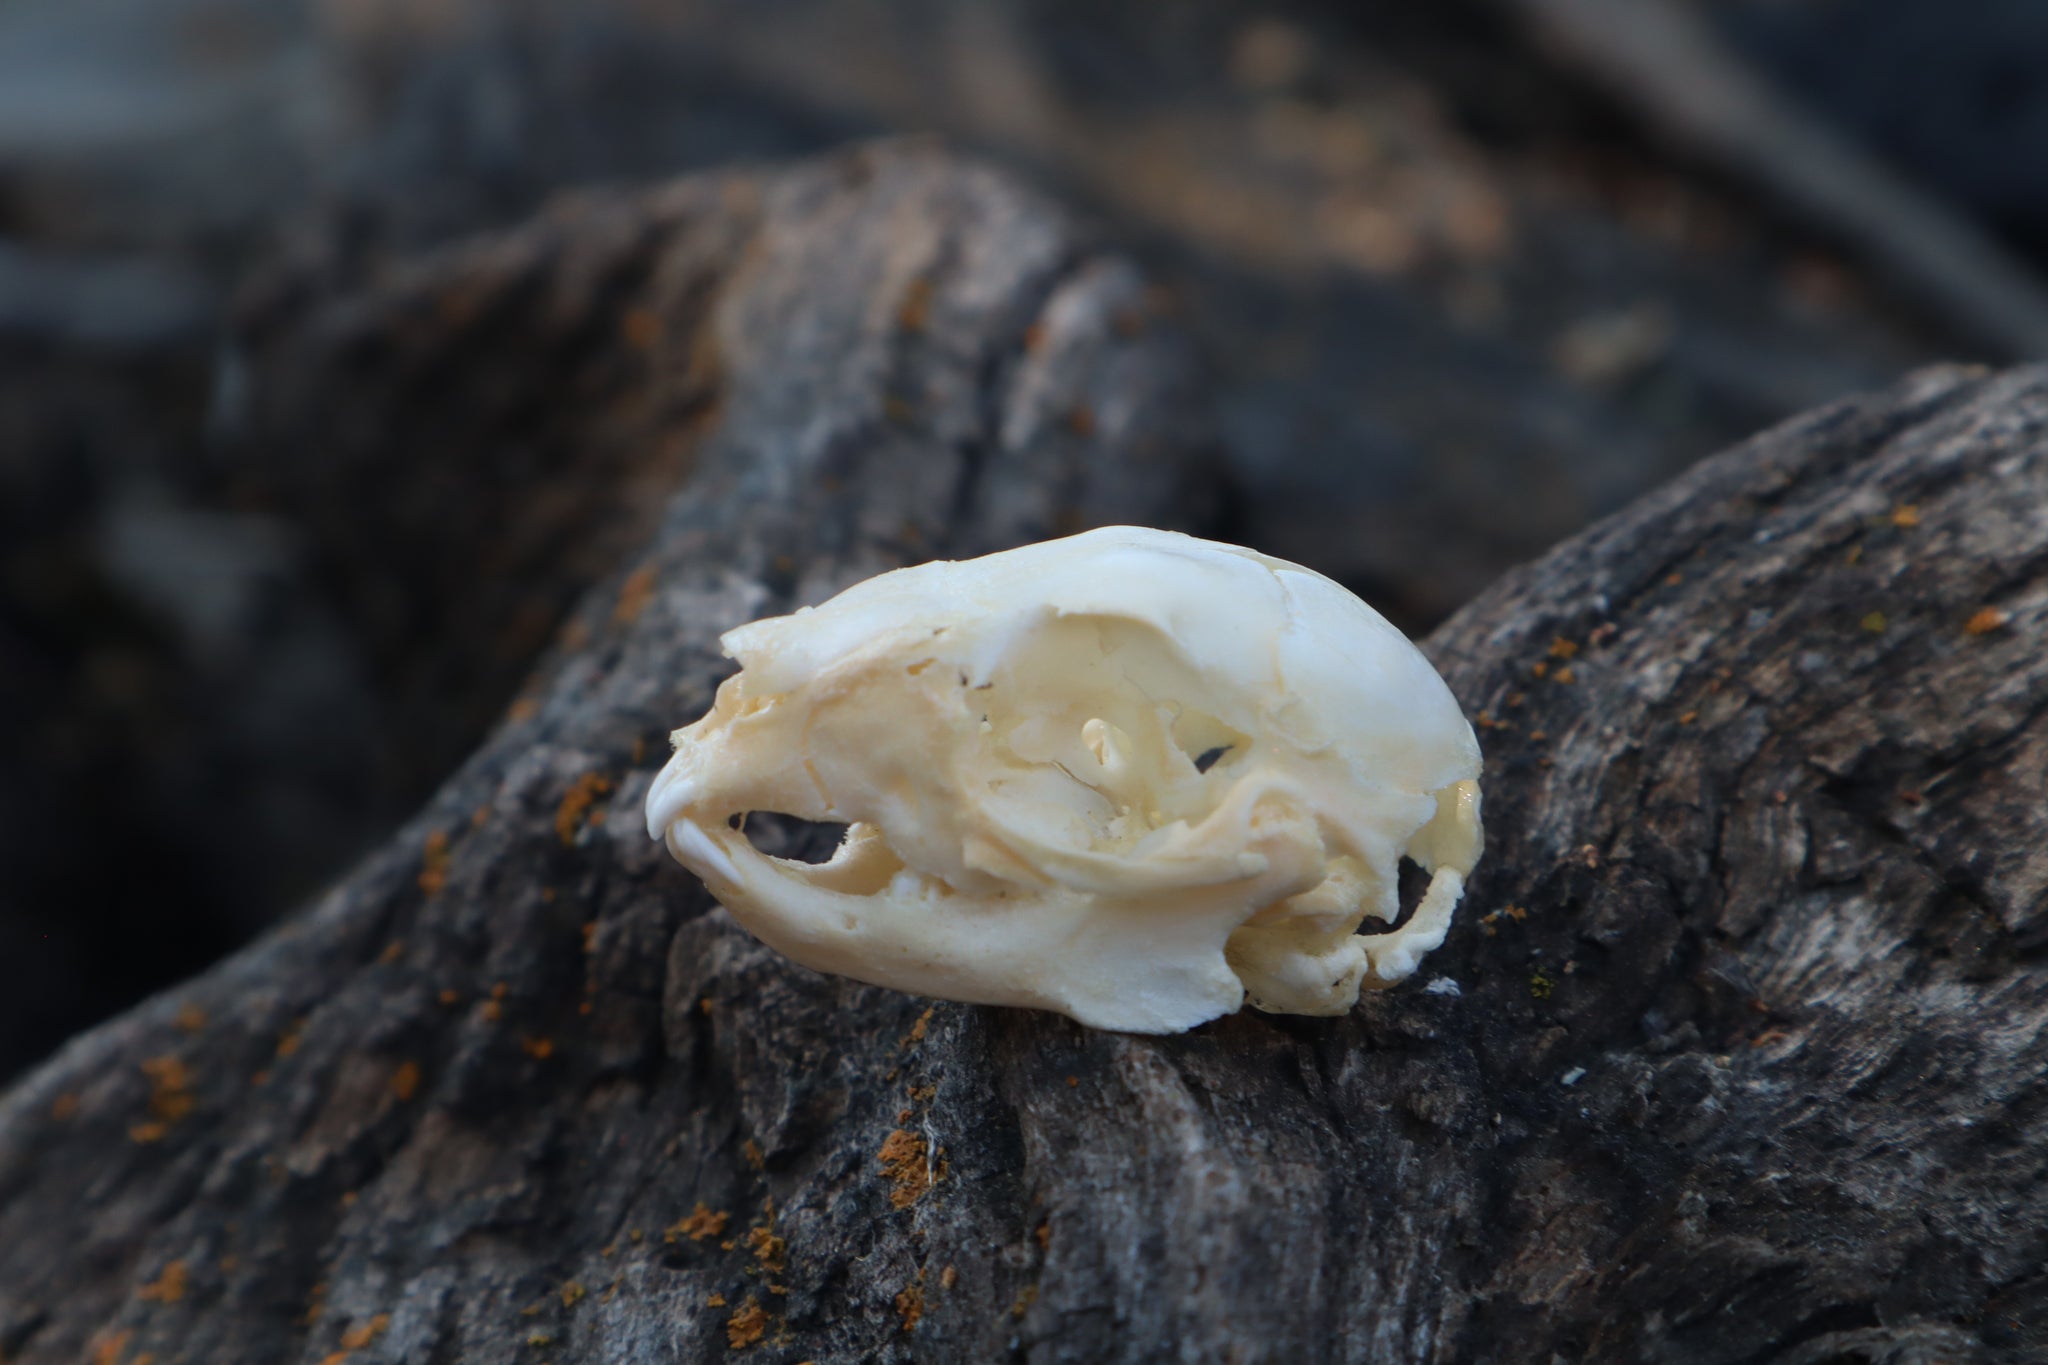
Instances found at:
x=1733 y=1056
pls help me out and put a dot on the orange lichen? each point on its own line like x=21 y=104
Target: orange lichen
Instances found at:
x=949 y=1277
x=1025 y=1298
x=167 y=1287
x=450 y=996
x=110 y=1348
x=1561 y=648
x=917 y=1030
x=589 y=935
x=747 y=1325
x=766 y=1246
x=902 y=1157
x=540 y=1049
x=393 y=951
x=493 y=1011
x=1044 y=1234
x=634 y=595
x=1565 y=675
x=1688 y=718
x=190 y=1018
x=698 y=1224
x=1875 y=622
x=1905 y=516
x=170 y=1090
x=1073 y=1082
x=910 y=1305
x=1513 y=912
x=288 y=1041
x=916 y=309
x=405 y=1082
x=65 y=1107
x=363 y=1333
x=576 y=803
x=434 y=862
x=751 y=1150
x=1986 y=620
x=641 y=328
x=571 y=1293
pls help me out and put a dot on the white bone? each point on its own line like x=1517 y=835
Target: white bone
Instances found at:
x=1013 y=743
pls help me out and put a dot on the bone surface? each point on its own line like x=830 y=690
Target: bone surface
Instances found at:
x=1130 y=775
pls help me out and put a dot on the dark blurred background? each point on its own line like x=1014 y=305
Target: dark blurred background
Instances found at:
x=1472 y=273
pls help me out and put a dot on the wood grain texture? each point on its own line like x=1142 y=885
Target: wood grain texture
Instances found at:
x=1733 y=1055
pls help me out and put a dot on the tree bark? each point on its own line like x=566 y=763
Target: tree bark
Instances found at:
x=1733 y=1054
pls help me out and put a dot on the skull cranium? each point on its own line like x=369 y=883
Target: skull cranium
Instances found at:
x=1129 y=776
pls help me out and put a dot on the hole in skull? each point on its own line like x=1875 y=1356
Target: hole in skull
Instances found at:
x=789 y=836
x=1413 y=885
x=1206 y=740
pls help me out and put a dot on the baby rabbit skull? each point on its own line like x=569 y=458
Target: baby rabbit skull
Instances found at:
x=1130 y=776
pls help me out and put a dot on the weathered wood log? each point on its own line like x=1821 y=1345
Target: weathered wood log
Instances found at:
x=1733 y=1056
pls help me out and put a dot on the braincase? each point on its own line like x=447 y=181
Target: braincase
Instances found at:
x=1263 y=647
x=1385 y=707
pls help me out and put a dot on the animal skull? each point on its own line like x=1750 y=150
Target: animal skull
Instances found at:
x=1130 y=776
